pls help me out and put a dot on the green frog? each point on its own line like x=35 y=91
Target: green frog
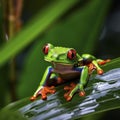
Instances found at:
x=67 y=64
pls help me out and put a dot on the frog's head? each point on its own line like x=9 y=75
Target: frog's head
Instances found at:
x=60 y=54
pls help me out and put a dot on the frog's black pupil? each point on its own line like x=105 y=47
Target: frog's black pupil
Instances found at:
x=44 y=49
x=72 y=55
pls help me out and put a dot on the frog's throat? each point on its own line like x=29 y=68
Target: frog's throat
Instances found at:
x=61 y=68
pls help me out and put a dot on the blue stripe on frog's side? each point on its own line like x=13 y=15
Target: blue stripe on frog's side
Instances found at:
x=79 y=69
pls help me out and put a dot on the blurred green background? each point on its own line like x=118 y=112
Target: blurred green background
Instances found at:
x=89 y=26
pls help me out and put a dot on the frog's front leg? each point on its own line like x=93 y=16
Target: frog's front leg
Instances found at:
x=72 y=89
x=102 y=62
x=43 y=90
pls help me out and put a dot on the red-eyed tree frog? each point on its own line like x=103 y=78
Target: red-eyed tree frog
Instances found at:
x=67 y=64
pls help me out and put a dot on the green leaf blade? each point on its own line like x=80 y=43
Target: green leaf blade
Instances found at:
x=101 y=92
x=34 y=28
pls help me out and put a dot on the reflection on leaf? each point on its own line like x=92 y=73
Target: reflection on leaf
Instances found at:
x=113 y=74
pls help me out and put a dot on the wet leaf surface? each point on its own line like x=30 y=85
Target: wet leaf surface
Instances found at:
x=101 y=93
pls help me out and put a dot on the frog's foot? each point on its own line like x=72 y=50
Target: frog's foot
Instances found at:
x=72 y=89
x=104 y=62
x=43 y=92
x=46 y=90
x=100 y=71
x=68 y=95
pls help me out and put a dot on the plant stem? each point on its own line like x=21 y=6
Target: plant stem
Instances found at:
x=11 y=32
x=11 y=18
x=14 y=17
x=18 y=12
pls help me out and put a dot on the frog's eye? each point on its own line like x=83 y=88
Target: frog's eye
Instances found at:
x=46 y=49
x=71 y=54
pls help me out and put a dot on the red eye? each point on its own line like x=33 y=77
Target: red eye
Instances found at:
x=71 y=54
x=46 y=49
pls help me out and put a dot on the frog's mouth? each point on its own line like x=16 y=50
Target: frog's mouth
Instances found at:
x=48 y=59
x=55 y=62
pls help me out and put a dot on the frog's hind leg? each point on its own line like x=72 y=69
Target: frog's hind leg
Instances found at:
x=98 y=62
x=99 y=70
x=72 y=89
x=102 y=62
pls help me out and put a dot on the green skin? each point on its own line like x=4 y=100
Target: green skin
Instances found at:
x=67 y=69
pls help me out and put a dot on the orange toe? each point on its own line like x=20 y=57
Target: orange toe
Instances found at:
x=44 y=97
x=100 y=72
x=68 y=98
x=82 y=93
x=32 y=98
